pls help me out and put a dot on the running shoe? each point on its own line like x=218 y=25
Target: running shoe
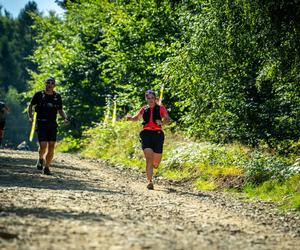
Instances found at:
x=39 y=164
x=46 y=171
x=150 y=186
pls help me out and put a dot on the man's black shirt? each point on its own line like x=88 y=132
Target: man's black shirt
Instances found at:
x=46 y=106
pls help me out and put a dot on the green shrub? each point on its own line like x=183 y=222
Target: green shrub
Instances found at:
x=69 y=144
x=119 y=144
x=261 y=168
x=187 y=154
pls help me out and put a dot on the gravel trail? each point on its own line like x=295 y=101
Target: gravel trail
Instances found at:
x=87 y=204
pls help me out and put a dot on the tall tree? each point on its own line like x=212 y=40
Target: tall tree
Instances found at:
x=25 y=42
x=8 y=62
x=113 y=52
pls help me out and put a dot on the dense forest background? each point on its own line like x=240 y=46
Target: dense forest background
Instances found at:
x=17 y=43
x=230 y=68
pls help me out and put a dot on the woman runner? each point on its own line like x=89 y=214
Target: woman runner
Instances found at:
x=152 y=136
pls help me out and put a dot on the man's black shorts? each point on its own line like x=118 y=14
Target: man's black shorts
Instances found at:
x=46 y=131
x=2 y=125
x=153 y=139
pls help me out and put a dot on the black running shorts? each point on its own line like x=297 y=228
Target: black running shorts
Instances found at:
x=153 y=139
x=46 y=132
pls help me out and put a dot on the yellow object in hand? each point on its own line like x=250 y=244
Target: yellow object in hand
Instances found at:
x=32 y=127
x=161 y=94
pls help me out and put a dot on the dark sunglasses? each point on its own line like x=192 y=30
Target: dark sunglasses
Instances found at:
x=50 y=82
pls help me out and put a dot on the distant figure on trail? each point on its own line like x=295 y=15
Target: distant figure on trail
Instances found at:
x=152 y=137
x=3 y=112
x=46 y=104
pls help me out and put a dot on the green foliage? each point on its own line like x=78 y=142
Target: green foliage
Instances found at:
x=16 y=44
x=230 y=68
x=118 y=144
x=188 y=154
x=286 y=194
x=65 y=52
x=112 y=53
x=69 y=144
x=17 y=125
x=231 y=74
x=202 y=184
x=260 y=169
x=204 y=162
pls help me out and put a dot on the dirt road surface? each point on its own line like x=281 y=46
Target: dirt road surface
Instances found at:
x=87 y=204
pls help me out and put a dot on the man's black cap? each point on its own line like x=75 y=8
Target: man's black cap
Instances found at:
x=50 y=79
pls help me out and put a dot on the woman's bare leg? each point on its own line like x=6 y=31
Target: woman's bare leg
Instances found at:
x=156 y=159
x=148 y=152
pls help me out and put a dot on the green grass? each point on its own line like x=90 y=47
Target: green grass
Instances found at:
x=285 y=194
x=69 y=144
x=176 y=174
x=205 y=185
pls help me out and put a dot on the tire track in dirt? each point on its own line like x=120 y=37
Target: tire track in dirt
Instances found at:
x=88 y=205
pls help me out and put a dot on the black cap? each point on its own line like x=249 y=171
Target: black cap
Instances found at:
x=50 y=79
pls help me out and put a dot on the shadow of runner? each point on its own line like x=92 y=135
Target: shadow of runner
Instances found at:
x=25 y=162
x=169 y=190
x=53 y=214
x=21 y=172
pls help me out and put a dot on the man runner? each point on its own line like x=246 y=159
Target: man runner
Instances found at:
x=46 y=104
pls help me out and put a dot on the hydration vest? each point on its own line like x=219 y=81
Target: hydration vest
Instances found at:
x=43 y=102
x=155 y=115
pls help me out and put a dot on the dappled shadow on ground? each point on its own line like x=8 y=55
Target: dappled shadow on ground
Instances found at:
x=21 y=172
x=53 y=214
x=26 y=162
x=182 y=192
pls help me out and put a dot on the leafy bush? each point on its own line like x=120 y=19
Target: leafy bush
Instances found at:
x=261 y=168
x=119 y=144
x=69 y=144
x=17 y=125
x=192 y=153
